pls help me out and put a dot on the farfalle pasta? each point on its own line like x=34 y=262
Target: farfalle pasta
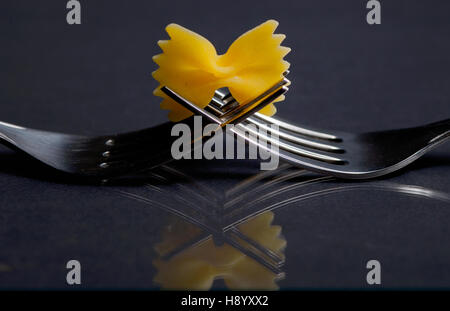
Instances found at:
x=190 y=66
x=197 y=267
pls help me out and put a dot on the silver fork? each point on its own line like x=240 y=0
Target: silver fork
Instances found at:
x=347 y=155
x=341 y=154
x=111 y=156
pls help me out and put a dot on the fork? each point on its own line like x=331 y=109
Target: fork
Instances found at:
x=110 y=156
x=337 y=153
x=342 y=154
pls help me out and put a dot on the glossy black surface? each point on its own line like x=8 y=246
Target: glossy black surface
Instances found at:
x=346 y=75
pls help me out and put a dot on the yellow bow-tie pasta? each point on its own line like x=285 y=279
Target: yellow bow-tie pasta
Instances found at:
x=197 y=267
x=190 y=66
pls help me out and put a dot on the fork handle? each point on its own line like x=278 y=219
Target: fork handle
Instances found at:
x=156 y=143
x=7 y=132
x=12 y=135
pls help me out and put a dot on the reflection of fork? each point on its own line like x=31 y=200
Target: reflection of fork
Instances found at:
x=202 y=206
x=122 y=154
x=220 y=215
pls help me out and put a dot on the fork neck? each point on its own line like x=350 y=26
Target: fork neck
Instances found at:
x=440 y=130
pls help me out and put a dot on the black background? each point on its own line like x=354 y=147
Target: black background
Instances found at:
x=95 y=78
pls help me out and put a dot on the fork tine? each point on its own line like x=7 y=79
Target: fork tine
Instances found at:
x=185 y=195
x=248 y=183
x=221 y=95
x=201 y=192
x=256 y=107
x=269 y=93
x=297 y=129
x=274 y=258
x=264 y=203
x=233 y=240
x=190 y=106
x=214 y=107
x=262 y=188
x=302 y=179
x=236 y=114
x=196 y=241
x=296 y=139
x=241 y=129
x=206 y=191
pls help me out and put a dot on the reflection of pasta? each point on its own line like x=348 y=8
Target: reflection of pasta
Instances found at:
x=4 y=268
x=190 y=66
x=196 y=268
